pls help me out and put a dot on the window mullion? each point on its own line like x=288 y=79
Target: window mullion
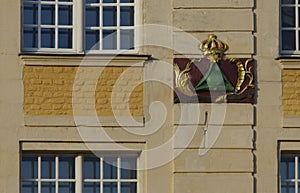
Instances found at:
x=39 y=24
x=78 y=174
x=101 y=175
x=56 y=26
x=296 y=174
x=297 y=27
x=56 y=173
x=119 y=173
x=118 y=25
x=39 y=174
x=78 y=24
x=101 y=27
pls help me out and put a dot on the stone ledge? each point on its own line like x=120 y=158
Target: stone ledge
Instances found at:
x=67 y=121
x=291 y=122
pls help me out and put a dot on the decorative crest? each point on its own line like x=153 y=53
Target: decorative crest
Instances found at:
x=213 y=48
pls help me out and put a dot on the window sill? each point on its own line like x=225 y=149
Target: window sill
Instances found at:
x=289 y=62
x=99 y=60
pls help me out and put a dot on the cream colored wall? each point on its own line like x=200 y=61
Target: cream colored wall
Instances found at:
x=11 y=97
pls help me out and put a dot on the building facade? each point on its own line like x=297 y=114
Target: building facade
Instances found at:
x=87 y=97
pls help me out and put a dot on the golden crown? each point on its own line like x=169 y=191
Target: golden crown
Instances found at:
x=213 y=46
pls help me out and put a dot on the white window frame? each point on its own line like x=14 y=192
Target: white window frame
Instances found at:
x=296 y=5
x=79 y=29
x=79 y=180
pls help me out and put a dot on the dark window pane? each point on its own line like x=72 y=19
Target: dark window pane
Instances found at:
x=127 y=16
x=66 y=0
x=48 y=14
x=126 y=1
x=109 y=1
x=48 y=187
x=65 y=38
x=110 y=168
x=128 y=168
x=66 y=187
x=91 y=168
x=110 y=16
x=110 y=187
x=92 y=40
x=48 y=167
x=109 y=40
x=287 y=1
x=30 y=37
x=92 y=1
x=92 y=16
x=127 y=39
x=91 y=187
x=128 y=187
x=288 y=41
x=30 y=14
x=287 y=187
x=29 y=187
x=29 y=167
x=67 y=167
x=288 y=17
x=65 y=15
x=287 y=167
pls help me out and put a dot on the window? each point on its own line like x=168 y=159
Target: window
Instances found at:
x=78 y=174
x=289 y=174
x=290 y=27
x=74 y=26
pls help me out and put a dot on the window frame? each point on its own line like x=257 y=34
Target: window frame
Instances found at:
x=296 y=179
x=78 y=33
x=79 y=179
x=296 y=52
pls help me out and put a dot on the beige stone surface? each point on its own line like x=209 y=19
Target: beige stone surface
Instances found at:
x=215 y=160
x=213 y=183
x=238 y=42
x=231 y=137
x=213 y=3
x=214 y=20
x=217 y=114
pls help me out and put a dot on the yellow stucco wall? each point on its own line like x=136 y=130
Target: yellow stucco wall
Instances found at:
x=48 y=90
x=291 y=92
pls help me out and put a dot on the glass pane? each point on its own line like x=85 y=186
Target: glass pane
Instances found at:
x=30 y=37
x=29 y=167
x=109 y=40
x=48 y=167
x=128 y=187
x=288 y=40
x=287 y=187
x=127 y=16
x=127 y=39
x=288 y=17
x=126 y=1
x=66 y=0
x=30 y=14
x=110 y=187
x=110 y=168
x=287 y=1
x=29 y=187
x=109 y=1
x=48 y=14
x=66 y=167
x=92 y=16
x=128 y=168
x=92 y=40
x=287 y=168
x=48 y=187
x=92 y=1
x=65 y=15
x=65 y=38
x=91 y=187
x=110 y=16
x=66 y=187
x=91 y=168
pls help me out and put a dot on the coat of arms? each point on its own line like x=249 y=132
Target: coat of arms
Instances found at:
x=213 y=78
